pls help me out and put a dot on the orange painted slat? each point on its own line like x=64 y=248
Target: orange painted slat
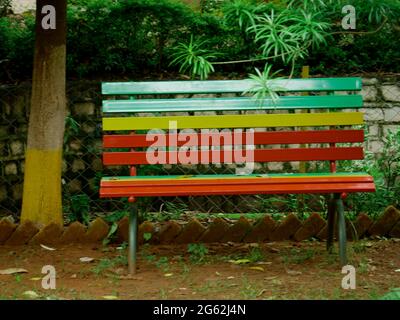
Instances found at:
x=282 y=137
x=184 y=190
x=232 y=181
x=236 y=156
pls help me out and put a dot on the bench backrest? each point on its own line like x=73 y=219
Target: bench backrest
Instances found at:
x=144 y=106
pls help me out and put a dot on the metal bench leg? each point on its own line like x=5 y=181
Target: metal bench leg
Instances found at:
x=133 y=222
x=331 y=223
x=342 y=230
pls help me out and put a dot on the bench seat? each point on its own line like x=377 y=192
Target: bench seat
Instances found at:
x=197 y=185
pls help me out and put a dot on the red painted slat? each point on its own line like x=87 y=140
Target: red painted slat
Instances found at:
x=158 y=190
x=236 y=156
x=281 y=137
x=232 y=181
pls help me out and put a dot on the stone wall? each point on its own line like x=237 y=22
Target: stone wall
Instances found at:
x=381 y=108
x=82 y=161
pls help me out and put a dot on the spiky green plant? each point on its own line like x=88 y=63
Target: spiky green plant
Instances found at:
x=263 y=86
x=289 y=34
x=193 y=58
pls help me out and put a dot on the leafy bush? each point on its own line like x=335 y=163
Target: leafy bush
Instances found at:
x=197 y=251
x=124 y=37
x=385 y=169
x=371 y=47
x=16 y=47
x=135 y=38
x=79 y=208
x=5 y=6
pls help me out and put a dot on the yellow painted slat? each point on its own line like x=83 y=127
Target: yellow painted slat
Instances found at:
x=233 y=121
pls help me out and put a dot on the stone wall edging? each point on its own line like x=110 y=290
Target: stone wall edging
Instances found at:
x=218 y=230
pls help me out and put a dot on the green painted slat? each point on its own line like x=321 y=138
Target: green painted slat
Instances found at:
x=229 y=86
x=224 y=104
x=222 y=176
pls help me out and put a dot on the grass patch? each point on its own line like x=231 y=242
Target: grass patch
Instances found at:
x=298 y=256
x=106 y=264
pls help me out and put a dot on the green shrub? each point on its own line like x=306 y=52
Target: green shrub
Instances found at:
x=16 y=47
x=197 y=251
x=385 y=168
x=79 y=208
x=135 y=38
x=5 y=6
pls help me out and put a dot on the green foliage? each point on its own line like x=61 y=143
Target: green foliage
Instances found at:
x=289 y=34
x=255 y=255
x=298 y=256
x=194 y=58
x=113 y=218
x=263 y=87
x=135 y=38
x=106 y=264
x=168 y=211
x=78 y=208
x=110 y=234
x=197 y=251
x=163 y=264
x=394 y=294
x=310 y=5
x=242 y=13
x=389 y=160
x=116 y=216
x=5 y=6
x=208 y=6
x=147 y=236
x=16 y=49
x=385 y=168
x=72 y=128
x=372 y=46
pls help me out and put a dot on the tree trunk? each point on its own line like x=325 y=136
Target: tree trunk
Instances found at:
x=43 y=160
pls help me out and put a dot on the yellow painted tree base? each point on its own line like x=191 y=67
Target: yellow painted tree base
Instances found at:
x=42 y=187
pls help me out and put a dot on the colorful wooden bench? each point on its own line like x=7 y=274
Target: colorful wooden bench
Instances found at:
x=322 y=122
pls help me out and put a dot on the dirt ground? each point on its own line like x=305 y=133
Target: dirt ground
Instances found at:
x=284 y=270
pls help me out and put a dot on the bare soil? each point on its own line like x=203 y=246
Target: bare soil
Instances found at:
x=280 y=270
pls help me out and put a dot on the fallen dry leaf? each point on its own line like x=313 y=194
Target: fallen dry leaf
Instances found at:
x=35 y=279
x=13 y=271
x=47 y=248
x=240 y=261
x=86 y=259
x=264 y=262
x=232 y=285
x=30 y=294
x=293 y=272
x=257 y=268
x=130 y=277
x=261 y=292
x=168 y=275
x=110 y=297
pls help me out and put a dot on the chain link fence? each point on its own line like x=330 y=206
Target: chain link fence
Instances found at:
x=83 y=169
